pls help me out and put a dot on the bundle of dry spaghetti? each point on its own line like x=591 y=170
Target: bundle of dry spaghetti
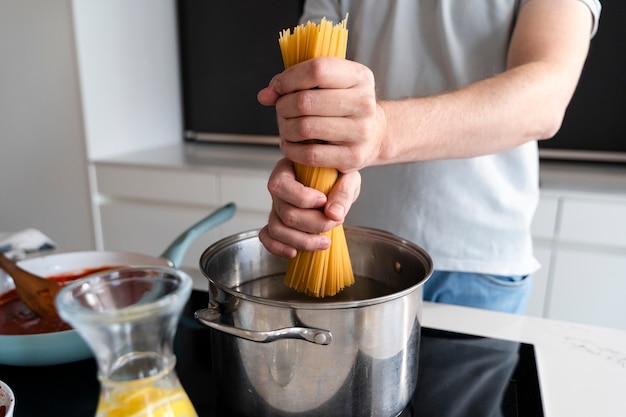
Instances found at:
x=318 y=273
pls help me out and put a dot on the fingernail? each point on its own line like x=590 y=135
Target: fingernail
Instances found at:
x=274 y=82
x=337 y=210
x=320 y=202
x=324 y=243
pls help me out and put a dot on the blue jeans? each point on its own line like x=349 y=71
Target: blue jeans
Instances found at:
x=491 y=292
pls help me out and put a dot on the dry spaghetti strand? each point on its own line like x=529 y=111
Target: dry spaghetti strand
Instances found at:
x=318 y=273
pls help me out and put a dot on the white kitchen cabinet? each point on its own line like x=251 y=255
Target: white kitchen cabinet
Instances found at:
x=157 y=184
x=579 y=234
x=248 y=188
x=594 y=221
x=149 y=228
x=588 y=279
x=145 y=200
x=589 y=287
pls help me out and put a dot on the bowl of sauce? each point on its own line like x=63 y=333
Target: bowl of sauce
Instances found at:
x=18 y=319
x=7 y=400
x=28 y=340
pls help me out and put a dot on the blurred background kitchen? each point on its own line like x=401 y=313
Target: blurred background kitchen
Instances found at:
x=103 y=142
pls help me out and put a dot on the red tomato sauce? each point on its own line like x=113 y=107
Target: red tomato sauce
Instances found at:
x=17 y=319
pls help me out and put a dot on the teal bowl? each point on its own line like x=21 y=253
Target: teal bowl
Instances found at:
x=65 y=346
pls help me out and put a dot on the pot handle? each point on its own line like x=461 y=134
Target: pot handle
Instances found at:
x=175 y=252
x=210 y=317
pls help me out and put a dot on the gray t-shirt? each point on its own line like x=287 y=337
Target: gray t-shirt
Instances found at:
x=470 y=214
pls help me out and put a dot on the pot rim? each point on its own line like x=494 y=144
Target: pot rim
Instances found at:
x=321 y=303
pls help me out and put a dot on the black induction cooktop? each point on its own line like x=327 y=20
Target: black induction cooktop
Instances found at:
x=459 y=375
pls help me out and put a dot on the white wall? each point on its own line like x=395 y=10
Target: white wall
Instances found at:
x=80 y=80
x=43 y=167
x=128 y=65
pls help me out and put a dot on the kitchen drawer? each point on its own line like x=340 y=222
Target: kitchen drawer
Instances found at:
x=544 y=222
x=150 y=228
x=596 y=222
x=165 y=185
x=247 y=189
x=589 y=287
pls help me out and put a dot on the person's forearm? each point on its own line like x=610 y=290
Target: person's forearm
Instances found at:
x=486 y=117
x=527 y=102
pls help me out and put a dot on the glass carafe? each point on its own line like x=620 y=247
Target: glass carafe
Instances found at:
x=128 y=317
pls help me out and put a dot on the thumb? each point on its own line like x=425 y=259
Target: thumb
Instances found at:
x=344 y=193
x=267 y=96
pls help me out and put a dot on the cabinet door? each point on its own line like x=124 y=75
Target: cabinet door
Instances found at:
x=157 y=184
x=594 y=222
x=150 y=228
x=247 y=189
x=589 y=286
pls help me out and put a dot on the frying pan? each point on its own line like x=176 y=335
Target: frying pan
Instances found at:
x=67 y=346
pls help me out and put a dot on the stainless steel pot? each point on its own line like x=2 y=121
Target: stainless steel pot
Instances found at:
x=279 y=353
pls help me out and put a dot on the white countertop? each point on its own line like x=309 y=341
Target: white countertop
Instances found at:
x=199 y=156
x=582 y=369
x=573 y=178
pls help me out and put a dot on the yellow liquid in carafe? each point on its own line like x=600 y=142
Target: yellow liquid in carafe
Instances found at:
x=145 y=401
x=159 y=395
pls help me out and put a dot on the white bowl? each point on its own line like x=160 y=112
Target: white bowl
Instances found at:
x=67 y=346
x=7 y=400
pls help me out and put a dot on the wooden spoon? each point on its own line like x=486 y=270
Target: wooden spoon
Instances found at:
x=36 y=292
